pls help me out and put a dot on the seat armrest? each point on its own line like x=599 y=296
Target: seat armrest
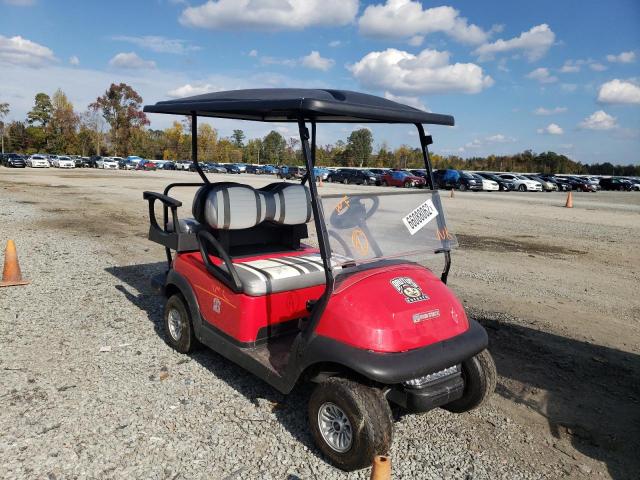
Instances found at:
x=168 y=202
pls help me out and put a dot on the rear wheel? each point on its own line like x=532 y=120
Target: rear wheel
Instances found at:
x=462 y=187
x=350 y=422
x=383 y=183
x=345 y=181
x=177 y=325
x=479 y=374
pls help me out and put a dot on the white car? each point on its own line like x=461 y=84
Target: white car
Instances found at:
x=64 y=162
x=38 y=161
x=522 y=183
x=110 y=163
x=183 y=165
x=487 y=185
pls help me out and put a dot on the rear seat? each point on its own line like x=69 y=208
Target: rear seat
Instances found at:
x=232 y=206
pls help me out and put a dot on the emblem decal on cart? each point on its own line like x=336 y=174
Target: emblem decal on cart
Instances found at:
x=217 y=304
x=409 y=288
x=421 y=317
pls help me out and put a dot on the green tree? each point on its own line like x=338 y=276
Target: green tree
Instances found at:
x=274 y=146
x=359 y=147
x=40 y=114
x=253 y=151
x=63 y=124
x=238 y=138
x=207 y=141
x=121 y=108
x=4 y=111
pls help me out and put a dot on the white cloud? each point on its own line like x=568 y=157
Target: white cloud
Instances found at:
x=499 y=138
x=624 y=57
x=285 y=62
x=599 y=120
x=317 y=62
x=131 y=61
x=269 y=14
x=20 y=3
x=335 y=43
x=542 y=75
x=253 y=53
x=551 y=129
x=406 y=100
x=534 y=43
x=159 y=44
x=20 y=51
x=189 y=90
x=398 y=19
x=549 y=111
x=403 y=73
x=74 y=60
x=619 y=91
x=570 y=67
x=569 y=87
x=597 y=67
x=477 y=143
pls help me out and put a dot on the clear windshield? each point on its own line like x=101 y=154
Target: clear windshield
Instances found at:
x=370 y=226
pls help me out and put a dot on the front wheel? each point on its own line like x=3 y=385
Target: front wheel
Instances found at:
x=479 y=375
x=462 y=187
x=350 y=422
x=383 y=183
x=178 y=328
x=522 y=188
x=345 y=181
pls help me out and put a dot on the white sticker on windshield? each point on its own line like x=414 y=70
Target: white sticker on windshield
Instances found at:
x=420 y=216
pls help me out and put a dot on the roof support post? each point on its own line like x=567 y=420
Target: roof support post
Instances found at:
x=425 y=141
x=194 y=146
x=318 y=215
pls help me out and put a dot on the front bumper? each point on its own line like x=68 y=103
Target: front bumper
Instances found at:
x=428 y=397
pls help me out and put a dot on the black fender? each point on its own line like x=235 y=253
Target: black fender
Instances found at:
x=394 y=368
x=174 y=279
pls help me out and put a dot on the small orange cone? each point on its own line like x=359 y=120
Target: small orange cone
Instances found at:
x=451 y=193
x=569 y=203
x=381 y=468
x=11 y=275
x=320 y=178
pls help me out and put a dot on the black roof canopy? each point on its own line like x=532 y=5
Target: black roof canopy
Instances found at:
x=291 y=104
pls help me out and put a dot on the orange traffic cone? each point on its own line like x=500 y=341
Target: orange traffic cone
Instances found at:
x=381 y=468
x=569 y=203
x=11 y=276
x=320 y=180
x=451 y=193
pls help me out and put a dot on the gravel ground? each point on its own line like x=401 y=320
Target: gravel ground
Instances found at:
x=91 y=390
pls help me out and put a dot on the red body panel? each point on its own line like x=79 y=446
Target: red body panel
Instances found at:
x=367 y=311
x=242 y=316
x=393 y=182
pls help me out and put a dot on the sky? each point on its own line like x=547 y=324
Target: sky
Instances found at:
x=545 y=75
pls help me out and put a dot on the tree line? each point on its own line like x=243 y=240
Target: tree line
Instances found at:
x=115 y=125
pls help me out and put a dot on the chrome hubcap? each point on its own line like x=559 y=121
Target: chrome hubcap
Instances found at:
x=175 y=324
x=335 y=427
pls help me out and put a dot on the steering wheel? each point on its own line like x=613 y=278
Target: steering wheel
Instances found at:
x=352 y=212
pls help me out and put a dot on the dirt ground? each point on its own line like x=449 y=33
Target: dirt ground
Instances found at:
x=557 y=289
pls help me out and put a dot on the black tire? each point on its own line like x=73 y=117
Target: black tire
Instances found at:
x=479 y=374
x=186 y=341
x=345 y=181
x=462 y=187
x=522 y=187
x=368 y=413
x=383 y=183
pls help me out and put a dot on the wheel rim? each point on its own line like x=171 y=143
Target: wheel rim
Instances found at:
x=175 y=324
x=335 y=427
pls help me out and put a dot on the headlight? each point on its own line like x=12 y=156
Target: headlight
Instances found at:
x=432 y=377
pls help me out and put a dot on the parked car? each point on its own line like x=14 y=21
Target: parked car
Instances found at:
x=446 y=178
x=78 y=161
x=400 y=178
x=52 y=159
x=13 y=160
x=522 y=183
x=183 y=165
x=168 y=166
x=616 y=183
x=255 y=169
x=635 y=183
x=378 y=171
x=217 y=168
x=321 y=173
x=487 y=184
x=62 y=161
x=291 y=172
x=270 y=169
x=581 y=184
x=146 y=165
x=504 y=185
x=547 y=186
x=353 y=175
x=126 y=165
x=37 y=161
x=468 y=181
x=109 y=163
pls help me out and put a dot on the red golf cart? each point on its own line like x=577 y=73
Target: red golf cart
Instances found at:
x=358 y=314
